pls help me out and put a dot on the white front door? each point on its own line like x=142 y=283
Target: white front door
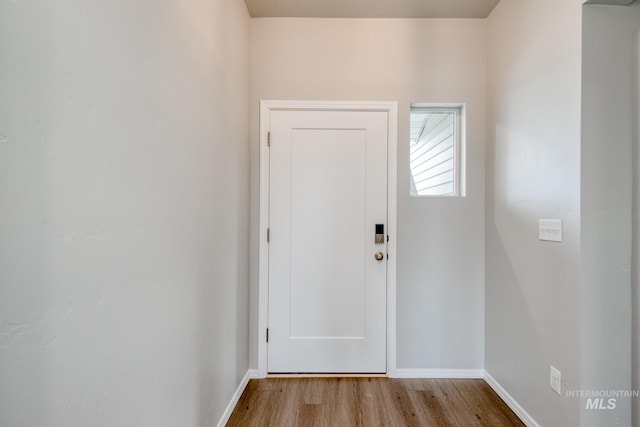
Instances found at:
x=327 y=194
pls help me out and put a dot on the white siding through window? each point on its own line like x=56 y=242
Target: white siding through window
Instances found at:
x=433 y=152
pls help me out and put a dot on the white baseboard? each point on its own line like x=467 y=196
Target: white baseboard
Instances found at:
x=439 y=373
x=236 y=396
x=510 y=401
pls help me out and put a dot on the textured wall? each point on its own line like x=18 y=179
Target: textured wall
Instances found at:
x=533 y=163
x=609 y=119
x=635 y=355
x=123 y=211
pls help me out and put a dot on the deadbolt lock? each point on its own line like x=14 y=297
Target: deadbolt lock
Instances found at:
x=379 y=234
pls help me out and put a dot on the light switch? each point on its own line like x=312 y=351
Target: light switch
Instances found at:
x=550 y=230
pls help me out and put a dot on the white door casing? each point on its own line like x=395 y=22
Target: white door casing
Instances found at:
x=331 y=182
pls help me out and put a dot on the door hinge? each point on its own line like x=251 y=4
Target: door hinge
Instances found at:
x=267 y=334
x=268 y=235
x=269 y=139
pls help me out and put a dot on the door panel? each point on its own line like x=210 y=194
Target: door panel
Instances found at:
x=327 y=292
x=326 y=204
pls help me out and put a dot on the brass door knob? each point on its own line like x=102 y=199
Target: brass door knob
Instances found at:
x=379 y=256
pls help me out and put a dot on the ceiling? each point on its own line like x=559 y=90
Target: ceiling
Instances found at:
x=371 y=8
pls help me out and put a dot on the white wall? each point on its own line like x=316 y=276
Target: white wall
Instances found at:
x=124 y=199
x=609 y=118
x=440 y=292
x=635 y=266
x=533 y=162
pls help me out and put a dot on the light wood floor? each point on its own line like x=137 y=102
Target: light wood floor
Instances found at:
x=370 y=402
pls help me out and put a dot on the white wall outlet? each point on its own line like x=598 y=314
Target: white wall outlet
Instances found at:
x=550 y=230
x=555 y=380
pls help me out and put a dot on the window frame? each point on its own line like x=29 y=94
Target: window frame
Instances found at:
x=459 y=111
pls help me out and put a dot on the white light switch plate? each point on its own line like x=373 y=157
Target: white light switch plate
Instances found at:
x=550 y=230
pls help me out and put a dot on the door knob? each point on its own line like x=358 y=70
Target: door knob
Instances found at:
x=379 y=256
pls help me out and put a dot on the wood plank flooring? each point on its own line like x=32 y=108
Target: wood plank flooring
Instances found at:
x=370 y=402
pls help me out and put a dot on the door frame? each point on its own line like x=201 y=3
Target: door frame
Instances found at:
x=266 y=107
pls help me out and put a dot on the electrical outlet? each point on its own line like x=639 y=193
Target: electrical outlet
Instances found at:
x=555 y=380
x=550 y=230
